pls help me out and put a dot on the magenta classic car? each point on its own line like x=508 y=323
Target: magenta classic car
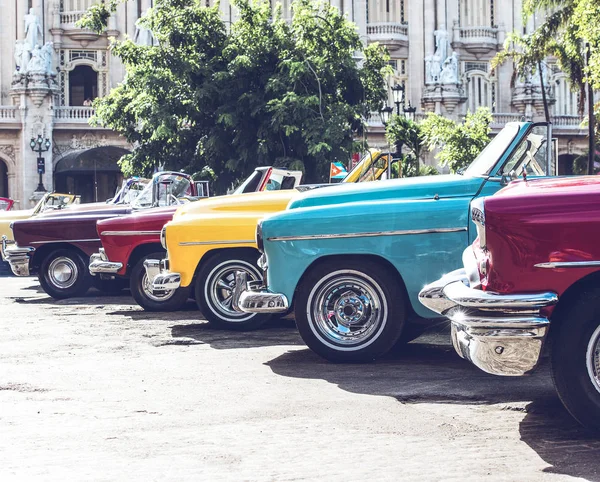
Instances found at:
x=58 y=244
x=532 y=280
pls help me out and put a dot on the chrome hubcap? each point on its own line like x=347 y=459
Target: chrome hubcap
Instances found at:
x=347 y=308
x=593 y=359
x=63 y=272
x=155 y=295
x=220 y=284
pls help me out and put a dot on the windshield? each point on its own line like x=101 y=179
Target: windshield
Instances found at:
x=251 y=184
x=489 y=157
x=169 y=188
x=371 y=167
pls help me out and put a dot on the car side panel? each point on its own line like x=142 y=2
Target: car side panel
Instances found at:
x=403 y=239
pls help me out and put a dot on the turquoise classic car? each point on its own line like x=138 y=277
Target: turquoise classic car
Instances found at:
x=352 y=260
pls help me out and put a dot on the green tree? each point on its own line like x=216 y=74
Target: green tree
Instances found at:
x=258 y=91
x=407 y=138
x=458 y=143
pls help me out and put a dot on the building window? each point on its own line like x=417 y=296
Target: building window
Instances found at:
x=83 y=85
x=388 y=11
x=76 y=5
x=476 y=13
x=566 y=100
x=480 y=86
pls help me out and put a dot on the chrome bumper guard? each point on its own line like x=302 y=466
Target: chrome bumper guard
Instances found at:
x=162 y=279
x=253 y=297
x=18 y=258
x=100 y=264
x=501 y=334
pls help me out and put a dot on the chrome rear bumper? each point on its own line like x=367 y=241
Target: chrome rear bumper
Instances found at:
x=253 y=297
x=18 y=258
x=159 y=275
x=501 y=334
x=100 y=264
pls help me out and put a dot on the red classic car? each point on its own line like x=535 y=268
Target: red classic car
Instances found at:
x=532 y=279
x=128 y=241
x=58 y=244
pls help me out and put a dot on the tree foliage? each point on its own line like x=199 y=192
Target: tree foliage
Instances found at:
x=458 y=143
x=234 y=96
x=407 y=138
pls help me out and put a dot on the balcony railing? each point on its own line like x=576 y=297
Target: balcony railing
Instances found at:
x=567 y=120
x=393 y=35
x=71 y=17
x=73 y=114
x=9 y=114
x=476 y=39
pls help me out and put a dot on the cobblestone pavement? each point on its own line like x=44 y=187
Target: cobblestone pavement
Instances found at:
x=96 y=389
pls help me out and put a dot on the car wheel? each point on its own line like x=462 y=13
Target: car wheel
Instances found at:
x=64 y=274
x=141 y=289
x=350 y=312
x=109 y=286
x=214 y=288
x=576 y=358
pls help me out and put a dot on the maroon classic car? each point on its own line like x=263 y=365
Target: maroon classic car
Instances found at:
x=532 y=279
x=58 y=245
x=128 y=241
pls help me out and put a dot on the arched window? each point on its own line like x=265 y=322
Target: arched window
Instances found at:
x=566 y=99
x=477 y=13
x=3 y=179
x=481 y=89
x=83 y=85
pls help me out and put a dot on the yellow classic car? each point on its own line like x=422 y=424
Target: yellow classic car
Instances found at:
x=51 y=200
x=208 y=242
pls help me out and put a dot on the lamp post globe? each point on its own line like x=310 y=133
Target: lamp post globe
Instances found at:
x=385 y=114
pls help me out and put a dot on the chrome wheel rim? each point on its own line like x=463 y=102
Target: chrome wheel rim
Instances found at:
x=347 y=310
x=593 y=359
x=63 y=272
x=157 y=296
x=219 y=286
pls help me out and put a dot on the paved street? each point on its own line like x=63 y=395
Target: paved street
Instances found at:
x=96 y=389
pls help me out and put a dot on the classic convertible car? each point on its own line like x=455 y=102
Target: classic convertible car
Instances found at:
x=128 y=241
x=57 y=245
x=51 y=201
x=352 y=260
x=532 y=278
x=208 y=242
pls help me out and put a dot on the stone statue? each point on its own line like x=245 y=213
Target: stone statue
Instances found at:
x=33 y=30
x=449 y=73
x=441 y=44
x=47 y=55
x=21 y=56
x=143 y=36
x=37 y=63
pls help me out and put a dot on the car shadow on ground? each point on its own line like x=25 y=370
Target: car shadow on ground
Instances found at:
x=433 y=373
x=93 y=297
x=279 y=331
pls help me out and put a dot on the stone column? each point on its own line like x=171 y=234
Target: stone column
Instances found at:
x=131 y=18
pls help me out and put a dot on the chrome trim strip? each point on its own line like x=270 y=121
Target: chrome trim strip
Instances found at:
x=403 y=232
x=568 y=264
x=129 y=233
x=202 y=243
x=66 y=241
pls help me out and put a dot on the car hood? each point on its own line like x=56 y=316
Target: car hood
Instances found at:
x=423 y=187
x=158 y=216
x=85 y=210
x=542 y=186
x=247 y=202
x=14 y=215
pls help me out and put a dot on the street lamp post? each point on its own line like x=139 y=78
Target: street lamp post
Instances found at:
x=40 y=145
x=409 y=112
x=398 y=94
x=385 y=113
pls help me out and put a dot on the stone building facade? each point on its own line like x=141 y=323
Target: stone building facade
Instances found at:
x=440 y=50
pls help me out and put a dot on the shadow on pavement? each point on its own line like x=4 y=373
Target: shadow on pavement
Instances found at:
x=434 y=373
x=275 y=332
